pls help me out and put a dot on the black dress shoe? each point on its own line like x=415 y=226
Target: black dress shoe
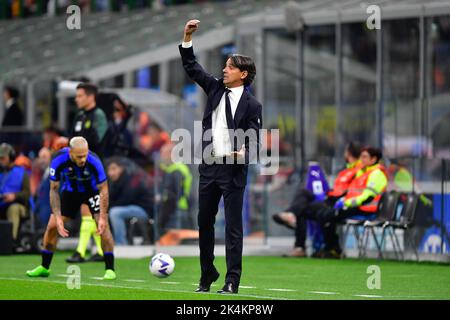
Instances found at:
x=205 y=283
x=229 y=287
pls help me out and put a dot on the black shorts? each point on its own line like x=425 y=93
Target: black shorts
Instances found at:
x=72 y=201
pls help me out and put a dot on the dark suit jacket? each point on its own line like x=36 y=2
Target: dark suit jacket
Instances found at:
x=247 y=115
x=13 y=116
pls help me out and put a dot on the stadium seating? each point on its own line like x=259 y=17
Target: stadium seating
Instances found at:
x=42 y=48
x=386 y=209
x=142 y=227
x=389 y=219
x=386 y=212
x=405 y=221
x=31 y=234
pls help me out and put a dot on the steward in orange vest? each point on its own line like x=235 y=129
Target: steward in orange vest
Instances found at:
x=365 y=190
x=361 y=199
x=343 y=180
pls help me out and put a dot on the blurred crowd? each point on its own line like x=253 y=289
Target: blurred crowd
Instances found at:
x=13 y=9
x=146 y=187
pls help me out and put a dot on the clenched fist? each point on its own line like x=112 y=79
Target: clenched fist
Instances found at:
x=190 y=27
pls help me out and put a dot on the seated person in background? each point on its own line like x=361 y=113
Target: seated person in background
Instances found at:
x=293 y=218
x=175 y=192
x=42 y=196
x=14 y=188
x=130 y=196
x=40 y=182
x=361 y=200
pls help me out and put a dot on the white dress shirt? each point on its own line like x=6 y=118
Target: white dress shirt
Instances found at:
x=221 y=138
x=9 y=103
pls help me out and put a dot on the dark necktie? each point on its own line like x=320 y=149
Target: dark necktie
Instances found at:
x=229 y=115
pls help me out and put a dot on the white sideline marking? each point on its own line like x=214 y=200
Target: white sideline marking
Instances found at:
x=110 y=285
x=323 y=292
x=367 y=296
x=63 y=275
x=212 y=285
x=170 y=282
x=282 y=290
x=96 y=278
x=134 y=280
x=240 y=287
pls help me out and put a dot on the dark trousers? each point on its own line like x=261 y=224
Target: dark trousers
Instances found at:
x=218 y=183
x=305 y=207
x=328 y=219
x=302 y=199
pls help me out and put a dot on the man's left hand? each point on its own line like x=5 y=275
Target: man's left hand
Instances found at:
x=239 y=154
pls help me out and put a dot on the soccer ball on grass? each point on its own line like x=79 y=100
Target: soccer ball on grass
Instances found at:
x=161 y=265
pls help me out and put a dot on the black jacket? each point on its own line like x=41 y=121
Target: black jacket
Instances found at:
x=91 y=125
x=131 y=189
x=248 y=113
x=13 y=116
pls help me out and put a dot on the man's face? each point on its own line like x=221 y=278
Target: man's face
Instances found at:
x=232 y=75
x=5 y=95
x=84 y=100
x=79 y=156
x=366 y=159
x=119 y=112
x=114 y=171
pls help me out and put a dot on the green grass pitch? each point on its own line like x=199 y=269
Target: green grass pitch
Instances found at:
x=262 y=278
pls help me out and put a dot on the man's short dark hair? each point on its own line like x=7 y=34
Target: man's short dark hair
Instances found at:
x=354 y=148
x=12 y=92
x=373 y=152
x=89 y=88
x=244 y=63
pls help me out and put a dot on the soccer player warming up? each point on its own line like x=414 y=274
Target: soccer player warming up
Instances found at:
x=77 y=176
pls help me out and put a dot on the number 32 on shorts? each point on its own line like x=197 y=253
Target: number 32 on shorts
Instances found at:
x=94 y=203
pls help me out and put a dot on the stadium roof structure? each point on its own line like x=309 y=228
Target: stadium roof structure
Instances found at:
x=109 y=43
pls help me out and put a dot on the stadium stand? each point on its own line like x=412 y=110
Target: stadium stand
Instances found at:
x=41 y=48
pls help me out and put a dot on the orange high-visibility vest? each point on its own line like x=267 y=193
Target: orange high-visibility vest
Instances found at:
x=343 y=180
x=358 y=185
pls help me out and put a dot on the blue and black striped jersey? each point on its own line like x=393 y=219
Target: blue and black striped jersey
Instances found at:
x=73 y=178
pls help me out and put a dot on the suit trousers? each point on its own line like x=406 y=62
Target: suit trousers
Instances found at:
x=216 y=183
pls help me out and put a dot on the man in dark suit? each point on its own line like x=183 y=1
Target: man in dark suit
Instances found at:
x=13 y=115
x=232 y=118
